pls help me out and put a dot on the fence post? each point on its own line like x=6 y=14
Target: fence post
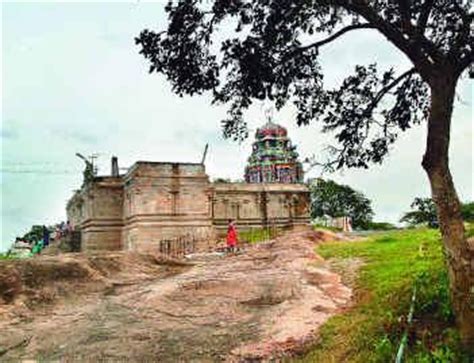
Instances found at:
x=403 y=342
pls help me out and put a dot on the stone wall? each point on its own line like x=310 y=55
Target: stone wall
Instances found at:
x=74 y=209
x=157 y=201
x=165 y=200
x=102 y=218
x=258 y=205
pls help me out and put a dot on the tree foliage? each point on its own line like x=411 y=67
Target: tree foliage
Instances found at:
x=423 y=212
x=467 y=211
x=273 y=54
x=381 y=226
x=34 y=234
x=335 y=200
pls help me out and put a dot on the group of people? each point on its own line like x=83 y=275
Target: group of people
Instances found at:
x=62 y=229
x=33 y=243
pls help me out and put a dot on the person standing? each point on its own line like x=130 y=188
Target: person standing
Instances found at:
x=45 y=236
x=231 y=236
x=37 y=247
x=62 y=229
x=69 y=227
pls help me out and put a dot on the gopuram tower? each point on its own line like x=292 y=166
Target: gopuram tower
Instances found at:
x=274 y=159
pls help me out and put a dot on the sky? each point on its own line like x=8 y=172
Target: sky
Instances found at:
x=73 y=81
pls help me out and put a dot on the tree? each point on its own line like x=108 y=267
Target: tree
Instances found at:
x=273 y=55
x=381 y=226
x=335 y=200
x=467 y=211
x=34 y=234
x=424 y=211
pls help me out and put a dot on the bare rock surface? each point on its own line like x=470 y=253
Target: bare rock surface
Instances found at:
x=259 y=305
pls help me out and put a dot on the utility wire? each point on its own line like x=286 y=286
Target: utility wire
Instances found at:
x=33 y=171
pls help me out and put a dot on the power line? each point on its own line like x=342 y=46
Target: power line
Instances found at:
x=32 y=162
x=33 y=171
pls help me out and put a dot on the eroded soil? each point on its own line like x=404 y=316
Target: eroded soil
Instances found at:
x=265 y=303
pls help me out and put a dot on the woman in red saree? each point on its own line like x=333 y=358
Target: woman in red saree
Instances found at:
x=231 y=236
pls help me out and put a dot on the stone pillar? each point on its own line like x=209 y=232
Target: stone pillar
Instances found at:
x=264 y=207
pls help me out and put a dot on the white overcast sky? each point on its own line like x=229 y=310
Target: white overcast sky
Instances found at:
x=73 y=81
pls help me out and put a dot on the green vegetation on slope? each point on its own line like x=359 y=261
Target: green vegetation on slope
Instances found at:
x=256 y=235
x=329 y=228
x=371 y=331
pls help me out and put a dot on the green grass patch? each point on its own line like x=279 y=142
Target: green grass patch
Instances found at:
x=470 y=230
x=371 y=331
x=5 y=256
x=256 y=235
x=321 y=226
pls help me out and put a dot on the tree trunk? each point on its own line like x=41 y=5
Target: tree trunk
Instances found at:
x=459 y=256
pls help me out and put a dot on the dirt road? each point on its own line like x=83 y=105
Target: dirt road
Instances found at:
x=264 y=303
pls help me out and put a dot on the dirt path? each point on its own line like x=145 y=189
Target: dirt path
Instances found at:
x=262 y=304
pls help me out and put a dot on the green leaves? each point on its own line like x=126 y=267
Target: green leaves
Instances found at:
x=331 y=199
x=424 y=212
x=269 y=49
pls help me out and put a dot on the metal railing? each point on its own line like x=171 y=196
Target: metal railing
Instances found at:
x=178 y=247
x=259 y=234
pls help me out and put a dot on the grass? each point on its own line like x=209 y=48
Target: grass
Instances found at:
x=321 y=226
x=371 y=331
x=256 y=235
x=470 y=230
x=5 y=256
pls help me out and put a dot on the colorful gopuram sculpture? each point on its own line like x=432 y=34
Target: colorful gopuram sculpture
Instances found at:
x=274 y=159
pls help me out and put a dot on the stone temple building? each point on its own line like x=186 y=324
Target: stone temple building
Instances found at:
x=157 y=200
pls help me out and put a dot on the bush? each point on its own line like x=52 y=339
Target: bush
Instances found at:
x=380 y=226
x=329 y=228
x=467 y=211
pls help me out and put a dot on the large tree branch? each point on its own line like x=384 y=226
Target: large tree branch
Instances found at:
x=392 y=84
x=418 y=49
x=380 y=94
x=329 y=39
x=410 y=48
x=337 y=35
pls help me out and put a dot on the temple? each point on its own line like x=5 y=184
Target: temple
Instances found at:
x=274 y=159
x=154 y=201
